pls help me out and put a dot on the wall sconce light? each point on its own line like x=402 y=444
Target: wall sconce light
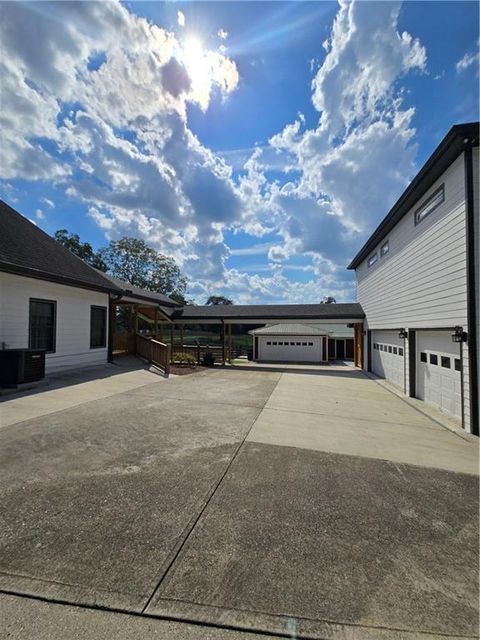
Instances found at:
x=402 y=334
x=460 y=335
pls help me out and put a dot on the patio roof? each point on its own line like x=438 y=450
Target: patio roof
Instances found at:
x=342 y=312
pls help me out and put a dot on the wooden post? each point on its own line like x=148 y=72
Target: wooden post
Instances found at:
x=172 y=334
x=182 y=326
x=161 y=332
x=229 y=342
x=111 y=328
x=156 y=322
x=223 y=343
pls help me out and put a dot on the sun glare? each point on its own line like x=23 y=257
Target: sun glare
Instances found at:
x=197 y=64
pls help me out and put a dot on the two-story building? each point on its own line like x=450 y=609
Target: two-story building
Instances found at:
x=418 y=280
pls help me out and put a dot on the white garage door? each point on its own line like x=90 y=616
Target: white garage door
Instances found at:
x=388 y=356
x=290 y=348
x=438 y=371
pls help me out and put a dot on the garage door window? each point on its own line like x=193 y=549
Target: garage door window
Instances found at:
x=433 y=359
x=458 y=364
x=395 y=350
x=445 y=362
x=310 y=344
x=400 y=351
x=423 y=357
x=269 y=344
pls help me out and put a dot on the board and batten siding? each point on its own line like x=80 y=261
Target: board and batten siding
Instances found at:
x=72 y=322
x=422 y=282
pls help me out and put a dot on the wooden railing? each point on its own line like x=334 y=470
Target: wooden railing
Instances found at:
x=198 y=351
x=154 y=351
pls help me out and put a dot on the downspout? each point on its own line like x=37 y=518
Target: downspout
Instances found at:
x=472 y=286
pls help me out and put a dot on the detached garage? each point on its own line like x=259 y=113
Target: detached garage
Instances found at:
x=290 y=343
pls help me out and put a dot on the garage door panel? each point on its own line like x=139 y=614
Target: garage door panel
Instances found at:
x=291 y=348
x=438 y=379
x=388 y=352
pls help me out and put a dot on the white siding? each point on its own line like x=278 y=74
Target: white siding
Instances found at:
x=73 y=319
x=476 y=200
x=422 y=281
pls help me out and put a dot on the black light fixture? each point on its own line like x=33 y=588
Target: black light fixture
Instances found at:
x=402 y=334
x=460 y=335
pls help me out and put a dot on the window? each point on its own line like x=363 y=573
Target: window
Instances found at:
x=381 y=347
x=292 y=344
x=433 y=359
x=43 y=314
x=310 y=344
x=298 y=344
x=384 y=249
x=269 y=344
x=423 y=357
x=280 y=344
x=274 y=344
x=395 y=350
x=458 y=364
x=389 y=348
x=400 y=351
x=445 y=362
x=372 y=260
x=434 y=201
x=304 y=344
x=98 y=327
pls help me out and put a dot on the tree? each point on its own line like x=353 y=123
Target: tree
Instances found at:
x=214 y=300
x=83 y=250
x=132 y=260
x=328 y=300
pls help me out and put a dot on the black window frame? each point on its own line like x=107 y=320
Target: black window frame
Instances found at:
x=373 y=259
x=54 y=338
x=423 y=357
x=458 y=364
x=105 y=310
x=444 y=360
x=433 y=359
x=424 y=205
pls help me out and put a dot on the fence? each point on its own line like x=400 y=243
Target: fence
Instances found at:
x=198 y=351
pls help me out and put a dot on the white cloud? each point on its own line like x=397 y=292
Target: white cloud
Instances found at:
x=221 y=33
x=467 y=61
x=48 y=202
x=110 y=94
x=39 y=214
x=181 y=18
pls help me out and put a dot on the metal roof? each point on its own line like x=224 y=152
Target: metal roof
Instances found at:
x=457 y=139
x=293 y=329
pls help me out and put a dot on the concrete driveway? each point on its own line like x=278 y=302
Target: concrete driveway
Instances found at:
x=304 y=504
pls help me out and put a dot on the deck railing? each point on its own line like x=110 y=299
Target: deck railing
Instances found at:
x=198 y=351
x=158 y=353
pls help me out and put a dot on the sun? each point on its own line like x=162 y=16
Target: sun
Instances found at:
x=198 y=66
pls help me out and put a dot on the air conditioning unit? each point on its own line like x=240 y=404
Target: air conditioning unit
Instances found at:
x=21 y=365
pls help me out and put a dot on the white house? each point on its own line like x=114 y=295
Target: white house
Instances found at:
x=51 y=300
x=418 y=283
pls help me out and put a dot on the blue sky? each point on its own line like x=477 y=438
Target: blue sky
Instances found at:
x=257 y=143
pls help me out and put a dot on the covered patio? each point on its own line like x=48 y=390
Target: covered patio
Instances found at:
x=156 y=331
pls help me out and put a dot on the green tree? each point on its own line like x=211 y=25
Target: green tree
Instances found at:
x=328 y=300
x=83 y=250
x=132 y=260
x=214 y=300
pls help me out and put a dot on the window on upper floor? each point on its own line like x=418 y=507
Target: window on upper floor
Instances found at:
x=434 y=201
x=372 y=260
x=385 y=248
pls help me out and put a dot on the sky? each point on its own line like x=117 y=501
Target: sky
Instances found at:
x=257 y=143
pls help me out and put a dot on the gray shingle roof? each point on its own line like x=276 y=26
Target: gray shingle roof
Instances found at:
x=142 y=294
x=27 y=250
x=351 y=310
